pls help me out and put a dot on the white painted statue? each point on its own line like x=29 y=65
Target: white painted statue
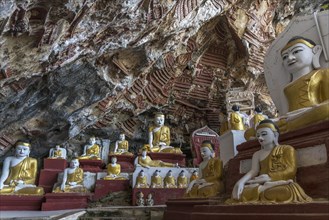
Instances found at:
x=57 y=153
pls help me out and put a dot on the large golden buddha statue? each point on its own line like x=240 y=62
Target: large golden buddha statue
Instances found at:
x=91 y=151
x=122 y=146
x=308 y=92
x=147 y=162
x=19 y=172
x=273 y=172
x=159 y=137
x=211 y=171
x=57 y=153
x=114 y=170
x=72 y=179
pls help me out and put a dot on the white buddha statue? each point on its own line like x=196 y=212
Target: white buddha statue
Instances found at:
x=91 y=151
x=57 y=153
x=19 y=172
x=72 y=179
x=122 y=146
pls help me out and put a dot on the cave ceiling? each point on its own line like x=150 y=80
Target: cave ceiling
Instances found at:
x=71 y=68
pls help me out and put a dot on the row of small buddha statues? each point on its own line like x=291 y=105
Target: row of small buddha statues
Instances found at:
x=273 y=171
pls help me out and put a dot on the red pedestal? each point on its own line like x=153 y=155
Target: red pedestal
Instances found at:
x=20 y=202
x=203 y=209
x=169 y=158
x=160 y=196
x=313 y=179
x=48 y=175
x=126 y=162
x=54 y=164
x=91 y=165
x=104 y=187
x=48 y=178
x=61 y=201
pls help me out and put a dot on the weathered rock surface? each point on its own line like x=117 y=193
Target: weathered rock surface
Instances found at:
x=73 y=68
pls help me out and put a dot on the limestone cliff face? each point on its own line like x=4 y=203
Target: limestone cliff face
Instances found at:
x=72 y=68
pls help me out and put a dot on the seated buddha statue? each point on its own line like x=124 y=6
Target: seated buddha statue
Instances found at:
x=57 y=153
x=156 y=180
x=273 y=172
x=141 y=180
x=238 y=120
x=113 y=170
x=122 y=146
x=72 y=179
x=91 y=151
x=308 y=92
x=140 y=199
x=182 y=180
x=147 y=162
x=194 y=176
x=159 y=137
x=149 y=200
x=19 y=172
x=169 y=181
x=211 y=171
x=254 y=122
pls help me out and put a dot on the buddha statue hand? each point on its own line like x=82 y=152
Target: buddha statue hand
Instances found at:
x=237 y=190
x=269 y=185
x=63 y=187
x=1 y=185
x=260 y=179
x=72 y=183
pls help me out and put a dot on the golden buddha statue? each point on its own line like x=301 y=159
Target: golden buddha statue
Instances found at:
x=91 y=151
x=237 y=121
x=159 y=137
x=169 y=180
x=308 y=92
x=156 y=180
x=194 y=176
x=72 y=179
x=122 y=146
x=182 y=180
x=256 y=119
x=273 y=171
x=19 y=172
x=114 y=170
x=141 y=180
x=211 y=172
x=57 y=153
x=147 y=162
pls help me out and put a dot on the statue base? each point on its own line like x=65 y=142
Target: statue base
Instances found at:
x=169 y=158
x=312 y=146
x=104 y=187
x=54 y=164
x=20 y=202
x=62 y=201
x=93 y=166
x=228 y=143
x=208 y=209
x=160 y=196
x=126 y=162
x=48 y=175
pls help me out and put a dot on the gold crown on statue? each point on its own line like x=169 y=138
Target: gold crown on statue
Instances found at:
x=302 y=41
x=26 y=144
x=159 y=114
x=266 y=125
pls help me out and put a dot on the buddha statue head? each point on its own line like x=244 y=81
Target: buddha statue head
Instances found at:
x=300 y=56
x=169 y=173
x=122 y=137
x=92 y=140
x=22 y=149
x=267 y=133
x=141 y=173
x=156 y=173
x=74 y=163
x=206 y=150
x=235 y=108
x=114 y=160
x=57 y=147
x=159 y=119
x=144 y=151
x=182 y=173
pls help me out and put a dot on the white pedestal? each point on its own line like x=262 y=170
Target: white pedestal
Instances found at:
x=228 y=142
